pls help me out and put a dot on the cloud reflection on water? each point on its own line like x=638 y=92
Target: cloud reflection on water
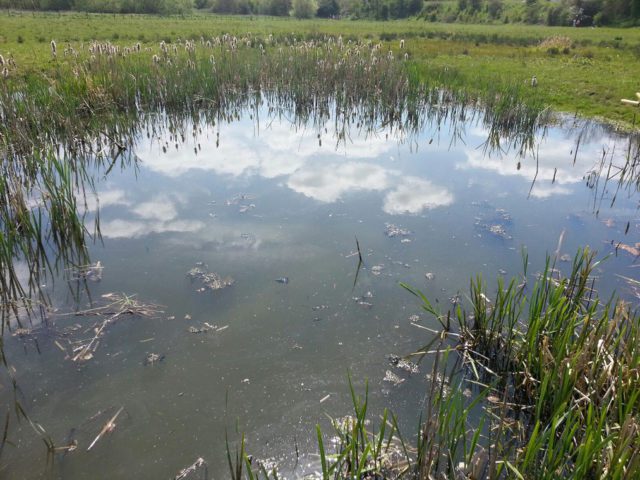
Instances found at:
x=556 y=168
x=320 y=173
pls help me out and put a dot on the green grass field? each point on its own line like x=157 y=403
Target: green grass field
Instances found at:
x=588 y=74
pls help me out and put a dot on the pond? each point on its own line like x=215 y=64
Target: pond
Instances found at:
x=240 y=241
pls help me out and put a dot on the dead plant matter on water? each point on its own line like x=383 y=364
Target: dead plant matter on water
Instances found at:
x=80 y=342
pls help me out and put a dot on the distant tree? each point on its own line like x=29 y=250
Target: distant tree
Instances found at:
x=328 y=8
x=474 y=5
x=414 y=7
x=225 y=6
x=494 y=8
x=349 y=7
x=532 y=11
x=278 y=8
x=304 y=8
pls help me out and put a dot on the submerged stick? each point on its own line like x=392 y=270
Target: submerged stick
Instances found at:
x=360 y=262
x=108 y=427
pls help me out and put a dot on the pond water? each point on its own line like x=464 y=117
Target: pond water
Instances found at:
x=277 y=206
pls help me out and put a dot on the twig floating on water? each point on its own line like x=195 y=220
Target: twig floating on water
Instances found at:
x=108 y=427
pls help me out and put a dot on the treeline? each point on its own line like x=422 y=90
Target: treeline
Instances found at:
x=164 y=7
x=577 y=13
x=550 y=12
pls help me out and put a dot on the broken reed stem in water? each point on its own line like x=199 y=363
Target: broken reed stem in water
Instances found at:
x=108 y=427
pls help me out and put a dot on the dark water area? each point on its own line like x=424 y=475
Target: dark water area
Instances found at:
x=277 y=207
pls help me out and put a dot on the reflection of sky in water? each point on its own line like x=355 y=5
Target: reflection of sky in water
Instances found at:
x=264 y=206
x=293 y=158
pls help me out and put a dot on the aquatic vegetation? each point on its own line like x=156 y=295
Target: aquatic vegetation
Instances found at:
x=556 y=371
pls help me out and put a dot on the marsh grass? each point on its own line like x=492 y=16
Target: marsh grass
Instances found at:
x=559 y=371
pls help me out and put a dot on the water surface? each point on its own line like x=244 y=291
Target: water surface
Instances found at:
x=274 y=200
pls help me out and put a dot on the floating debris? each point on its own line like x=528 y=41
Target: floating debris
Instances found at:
x=92 y=272
x=503 y=216
x=315 y=308
x=246 y=208
x=185 y=472
x=283 y=280
x=362 y=301
x=108 y=428
x=429 y=275
x=268 y=465
x=392 y=231
x=495 y=223
x=22 y=332
x=632 y=250
x=210 y=280
x=565 y=257
x=152 y=359
x=403 y=364
x=240 y=200
x=207 y=327
x=344 y=425
x=414 y=318
x=391 y=377
x=377 y=270
x=83 y=349
x=498 y=231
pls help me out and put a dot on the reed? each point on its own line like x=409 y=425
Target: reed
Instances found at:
x=559 y=369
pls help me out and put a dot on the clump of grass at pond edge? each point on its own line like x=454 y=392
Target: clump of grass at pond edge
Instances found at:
x=562 y=376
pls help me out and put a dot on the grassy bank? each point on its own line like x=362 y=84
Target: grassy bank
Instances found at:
x=584 y=71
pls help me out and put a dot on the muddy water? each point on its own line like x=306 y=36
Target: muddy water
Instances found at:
x=278 y=209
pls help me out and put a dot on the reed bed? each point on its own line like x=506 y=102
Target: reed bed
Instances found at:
x=556 y=372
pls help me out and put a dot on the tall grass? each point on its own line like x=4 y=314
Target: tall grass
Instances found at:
x=560 y=370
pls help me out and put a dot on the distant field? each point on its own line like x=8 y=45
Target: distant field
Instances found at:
x=586 y=71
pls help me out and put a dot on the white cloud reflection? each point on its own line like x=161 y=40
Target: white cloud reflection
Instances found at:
x=556 y=168
x=328 y=183
x=413 y=195
x=320 y=173
x=161 y=209
x=137 y=228
x=157 y=215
